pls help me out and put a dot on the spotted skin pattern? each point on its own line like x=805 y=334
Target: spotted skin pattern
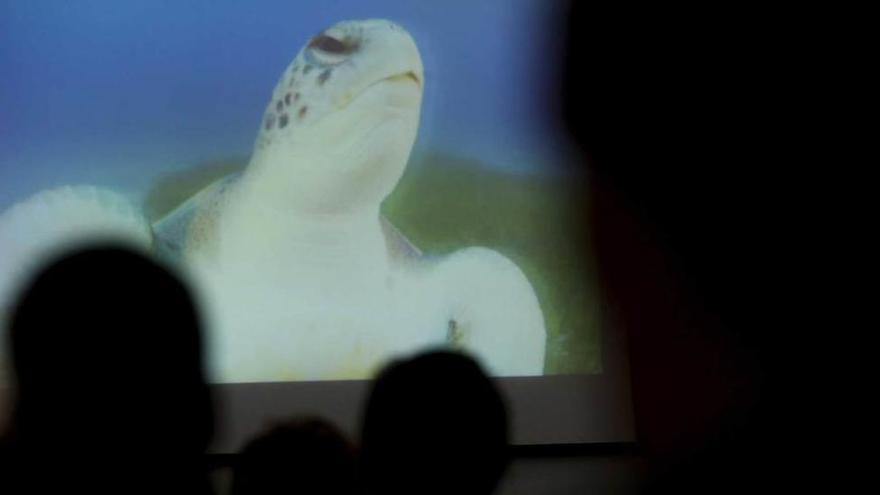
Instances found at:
x=308 y=78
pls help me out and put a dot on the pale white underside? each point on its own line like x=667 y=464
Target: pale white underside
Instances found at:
x=339 y=306
x=337 y=310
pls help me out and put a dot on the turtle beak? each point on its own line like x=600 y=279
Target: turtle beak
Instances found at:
x=407 y=76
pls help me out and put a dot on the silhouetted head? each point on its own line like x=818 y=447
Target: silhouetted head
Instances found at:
x=106 y=355
x=434 y=424
x=677 y=119
x=300 y=456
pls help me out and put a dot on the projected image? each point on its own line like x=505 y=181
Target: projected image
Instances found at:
x=355 y=231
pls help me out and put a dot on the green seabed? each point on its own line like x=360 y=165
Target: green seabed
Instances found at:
x=444 y=203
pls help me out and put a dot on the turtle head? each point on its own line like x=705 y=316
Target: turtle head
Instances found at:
x=343 y=118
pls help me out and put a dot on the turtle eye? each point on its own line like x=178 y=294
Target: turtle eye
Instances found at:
x=327 y=50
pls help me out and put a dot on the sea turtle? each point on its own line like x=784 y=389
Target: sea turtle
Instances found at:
x=299 y=274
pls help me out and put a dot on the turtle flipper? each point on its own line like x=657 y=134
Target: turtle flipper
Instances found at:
x=187 y=226
x=492 y=311
x=37 y=228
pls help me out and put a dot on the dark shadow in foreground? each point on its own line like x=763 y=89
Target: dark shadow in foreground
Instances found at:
x=434 y=424
x=108 y=381
x=297 y=456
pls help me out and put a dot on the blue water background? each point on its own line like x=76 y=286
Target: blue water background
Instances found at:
x=119 y=93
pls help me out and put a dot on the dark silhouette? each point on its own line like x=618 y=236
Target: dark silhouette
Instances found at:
x=434 y=424
x=680 y=115
x=109 y=390
x=307 y=456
